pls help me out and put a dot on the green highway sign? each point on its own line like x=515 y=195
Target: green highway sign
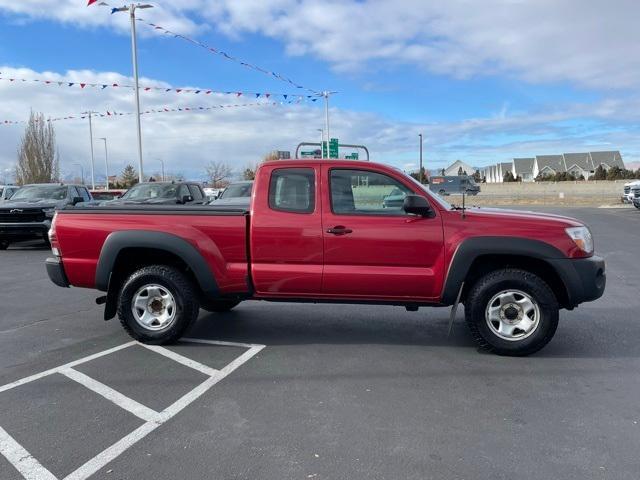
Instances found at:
x=333 y=148
x=311 y=153
x=353 y=156
x=324 y=150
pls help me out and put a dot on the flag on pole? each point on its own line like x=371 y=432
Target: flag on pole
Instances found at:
x=91 y=2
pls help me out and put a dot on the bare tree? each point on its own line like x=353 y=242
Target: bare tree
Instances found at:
x=218 y=173
x=38 y=159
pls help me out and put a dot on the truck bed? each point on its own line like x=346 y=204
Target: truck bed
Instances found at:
x=219 y=234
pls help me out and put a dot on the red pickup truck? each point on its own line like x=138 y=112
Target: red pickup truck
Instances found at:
x=330 y=231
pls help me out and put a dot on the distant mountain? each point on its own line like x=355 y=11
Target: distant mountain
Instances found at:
x=632 y=165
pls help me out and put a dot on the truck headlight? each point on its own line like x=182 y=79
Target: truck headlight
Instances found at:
x=581 y=236
x=49 y=212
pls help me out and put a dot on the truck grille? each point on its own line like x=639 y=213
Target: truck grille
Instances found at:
x=24 y=216
x=636 y=193
x=627 y=190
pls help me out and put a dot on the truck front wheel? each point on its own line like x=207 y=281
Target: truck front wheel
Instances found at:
x=511 y=312
x=157 y=304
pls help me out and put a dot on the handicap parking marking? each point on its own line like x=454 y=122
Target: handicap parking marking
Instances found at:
x=31 y=469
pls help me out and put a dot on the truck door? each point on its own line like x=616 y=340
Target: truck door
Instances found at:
x=286 y=232
x=372 y=248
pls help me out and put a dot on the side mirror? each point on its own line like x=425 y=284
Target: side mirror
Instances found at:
x=187 y=198
x=417 y=205
x=76 y=200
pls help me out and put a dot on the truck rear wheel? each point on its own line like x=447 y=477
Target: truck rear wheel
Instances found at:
x=219 y=306
x=511 y=312
x=157 y=304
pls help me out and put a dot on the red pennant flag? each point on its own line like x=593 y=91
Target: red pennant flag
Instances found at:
x=82 y=85
x=91 y=2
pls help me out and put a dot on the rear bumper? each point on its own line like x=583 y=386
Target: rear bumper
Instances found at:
x=55 y=270
x=584 y=278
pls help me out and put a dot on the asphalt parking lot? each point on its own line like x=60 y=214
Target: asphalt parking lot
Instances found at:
x=284 y=391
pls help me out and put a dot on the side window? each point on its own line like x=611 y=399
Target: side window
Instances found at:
x=361 y=192
x=196 y=193
x=183 y=190
x=73 y=193
x=84 y=194
x=292 y=190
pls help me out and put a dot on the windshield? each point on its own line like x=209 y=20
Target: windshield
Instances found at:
x=41 y=192
x=436 y=198
x=237 y=190
x=150 y=191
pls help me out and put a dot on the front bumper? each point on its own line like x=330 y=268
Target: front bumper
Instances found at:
x=55 y=270
x=25 y=230
x=584 y=278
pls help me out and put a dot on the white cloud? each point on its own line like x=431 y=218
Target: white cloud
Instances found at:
x=241 y=136
x=585 y=42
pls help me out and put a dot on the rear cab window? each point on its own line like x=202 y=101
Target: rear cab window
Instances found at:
x=292 y=190
x=196 y=193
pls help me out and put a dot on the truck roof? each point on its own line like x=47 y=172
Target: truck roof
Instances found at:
x=329 y=161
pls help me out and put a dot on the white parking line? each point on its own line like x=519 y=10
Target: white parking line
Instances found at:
x=124 y=402
x=31 y=469
x=22 y=460
x=176 y=357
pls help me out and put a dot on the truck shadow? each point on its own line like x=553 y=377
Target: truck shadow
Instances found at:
x=581 y=334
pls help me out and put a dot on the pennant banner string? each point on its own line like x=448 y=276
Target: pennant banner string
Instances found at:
x=226 y=56
x=112 y=113
x=197 y=91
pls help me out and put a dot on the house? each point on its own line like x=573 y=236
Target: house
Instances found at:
x=607 y=159
x=504 y=168
x=578 y=164
x=455 y=167
x=548 y=165
x=523 y=168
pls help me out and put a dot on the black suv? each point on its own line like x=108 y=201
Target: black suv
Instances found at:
x=28 y=213
x=162 y=193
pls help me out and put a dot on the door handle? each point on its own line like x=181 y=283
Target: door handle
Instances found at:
x=339 y=230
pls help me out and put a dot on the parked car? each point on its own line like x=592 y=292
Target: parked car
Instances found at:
x=111 y=194
x=6 y=191
x=454 y=185
x=636 y=197
x=627 y=193
x=28 y=213
x=312 y=236
x=212 y=193
x=162 y=193
x=237 y=194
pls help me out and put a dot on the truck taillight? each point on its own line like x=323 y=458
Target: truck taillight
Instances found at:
x=53 y=239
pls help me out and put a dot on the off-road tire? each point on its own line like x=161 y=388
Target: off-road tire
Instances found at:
x=177 y=283
x=218 y=306
x=486 y=287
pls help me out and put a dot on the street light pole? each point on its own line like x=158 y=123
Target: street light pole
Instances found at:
x=93 y=178
x=420 y=176
x=106 y=162
x=326 y=94
x=134 y=58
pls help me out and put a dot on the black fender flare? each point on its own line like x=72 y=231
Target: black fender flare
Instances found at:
x=118 y=241
x=472 y=248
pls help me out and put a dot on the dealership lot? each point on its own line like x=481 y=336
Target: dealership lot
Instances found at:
x=339 y=391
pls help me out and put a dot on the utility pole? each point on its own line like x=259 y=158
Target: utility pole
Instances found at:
x=134 y=57
x=321 y=130
x=81 y=171
x=420 y=171
x=162 y=163
x=93 y=178
x=106 y=162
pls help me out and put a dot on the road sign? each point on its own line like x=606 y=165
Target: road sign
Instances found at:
x=353 y=156
x=307 y=154
x=333 y=148
x=324 y=150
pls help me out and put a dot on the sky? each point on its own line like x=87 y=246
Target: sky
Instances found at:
x=482 y=81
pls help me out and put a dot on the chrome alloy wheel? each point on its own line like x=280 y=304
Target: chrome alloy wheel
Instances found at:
x=154 y=307
x=512 y=315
